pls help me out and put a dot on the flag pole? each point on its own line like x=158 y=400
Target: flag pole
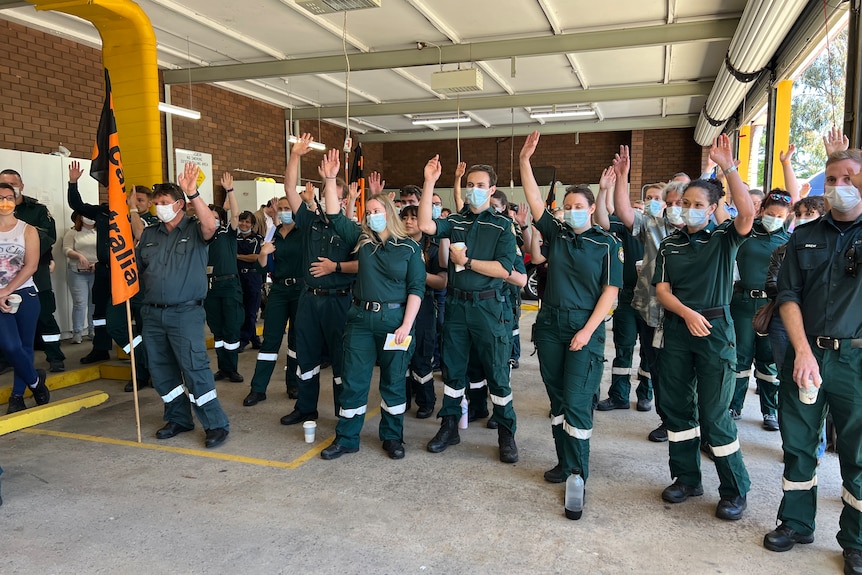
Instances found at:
x=134 y=370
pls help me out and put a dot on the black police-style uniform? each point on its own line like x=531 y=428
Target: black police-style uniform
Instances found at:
x=251 y=282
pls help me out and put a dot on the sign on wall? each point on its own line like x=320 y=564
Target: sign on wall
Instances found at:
x=205 y=161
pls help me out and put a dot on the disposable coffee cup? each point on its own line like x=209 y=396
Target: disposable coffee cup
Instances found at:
x=459 y=246
x=13 y=301
x=808 y=394
x=309 y=427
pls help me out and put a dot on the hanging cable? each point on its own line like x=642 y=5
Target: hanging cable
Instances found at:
x=346 y=85
x=512 y=153
x=829 y=63
x=458 y=128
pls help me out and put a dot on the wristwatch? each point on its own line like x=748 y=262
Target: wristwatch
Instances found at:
x=468 y=265
x=194 y=195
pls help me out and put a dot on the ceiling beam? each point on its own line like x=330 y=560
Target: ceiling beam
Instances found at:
x=640 y=92
x=613 y=39
x=613 y=125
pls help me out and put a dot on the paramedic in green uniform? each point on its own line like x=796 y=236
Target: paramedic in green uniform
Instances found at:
x=281 y=305
x=693 y=279
x=30 y=211
x=585 y=266
x=223 y=304
x=172 y=258
x=478 y=315
x=749 y=295
x=819 y=298
x=323 y=304
x=389 y=290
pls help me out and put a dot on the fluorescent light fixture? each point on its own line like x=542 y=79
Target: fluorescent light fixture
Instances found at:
x=312 y=145
x=177 y=111
x=563 y=113
x=428 y=120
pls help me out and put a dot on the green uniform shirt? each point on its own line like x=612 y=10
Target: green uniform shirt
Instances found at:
x=816 y=274
x=173 y=265
x=753 y=257
x=579 y=265
x=38 y=216
x=633 y=250
x=699 y=267
x=287 y=257
x=320 y=240
x=488 y=237
x=222 y=252
x=388 y=273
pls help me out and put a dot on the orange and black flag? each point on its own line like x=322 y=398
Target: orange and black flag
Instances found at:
x=551 y=200
x=107 y=169
x=357 y=174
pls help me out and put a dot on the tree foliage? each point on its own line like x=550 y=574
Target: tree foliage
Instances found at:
x=815 y=92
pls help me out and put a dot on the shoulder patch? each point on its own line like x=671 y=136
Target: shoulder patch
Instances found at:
x=621 y=255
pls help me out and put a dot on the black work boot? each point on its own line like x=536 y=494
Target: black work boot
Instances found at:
x=16 y=404
x=508 y=449
x=448 y=435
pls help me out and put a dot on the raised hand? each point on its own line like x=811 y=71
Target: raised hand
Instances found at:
x=308 y=194
x=189 y=178
x=529 y=147
x=835 y=141
x=721 y=153
x=522 y=216
x=375 y=184
x=331 y=163
x=460 y=170
x=227 y=181
x=622 y=162
x=785 y=158
x=608 y=179
x=75 y=171
x=302 y=146
x=433 y=169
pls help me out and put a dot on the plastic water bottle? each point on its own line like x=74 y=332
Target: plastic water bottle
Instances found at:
x=462 y=424
x=574 y=495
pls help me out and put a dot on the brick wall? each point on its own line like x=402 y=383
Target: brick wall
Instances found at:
x=51 y=92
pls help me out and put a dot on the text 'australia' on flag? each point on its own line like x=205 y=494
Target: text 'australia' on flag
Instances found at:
x=107 y=169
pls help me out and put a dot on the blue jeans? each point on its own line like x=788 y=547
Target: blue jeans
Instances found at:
x=81 y=286
x=17 y=331
x=779 y=340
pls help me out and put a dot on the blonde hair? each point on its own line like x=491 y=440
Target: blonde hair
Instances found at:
x=394 y=225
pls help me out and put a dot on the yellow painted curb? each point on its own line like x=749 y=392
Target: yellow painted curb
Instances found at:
x=122 y=372
x=58 y=381
x=50 y=411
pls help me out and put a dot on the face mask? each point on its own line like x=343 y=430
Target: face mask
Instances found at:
x=842 y=198
x=800 y=221
x=88 y=221
x=653 y=208
x=477 y=197
x=436 y=211
x=576 y=218
x=17 y=192
x=166 y=213
x=6 y=207
x=377 y=222
x=694 y=217
x=771 y=223
x=286 y=217
x=674 y=215
x=245 y=232
x=499 y=210
x=217 y=222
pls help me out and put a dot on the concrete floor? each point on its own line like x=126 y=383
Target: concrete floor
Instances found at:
x=77 y=504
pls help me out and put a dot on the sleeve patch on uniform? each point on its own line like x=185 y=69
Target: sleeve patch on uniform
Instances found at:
x=621 y=255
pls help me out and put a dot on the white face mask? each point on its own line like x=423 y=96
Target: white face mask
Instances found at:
x=166 y=213
x=800 y=221
x=842 y=198
x=771 y=223
x=674 y=215
x=88 y=221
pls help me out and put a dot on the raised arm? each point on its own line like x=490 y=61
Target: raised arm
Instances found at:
x=460 y=169
x=722 y=155
x=622 y=201
x=791 y=184
x=352 y=196
x=230 y=203
x=432 y=173
x=606 y=187
x=291 y=172
x=375 y=184
x=329 y=167
x=528 y=180
x=189 y=184
x=835 y=141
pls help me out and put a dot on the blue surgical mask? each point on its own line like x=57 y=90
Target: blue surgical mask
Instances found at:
x=694 y=217
x=377 y=222
x=654 y=208
x=674 y=215
x=477 y=196
x=436 y=211
x=771 y=223
x=576 y=218
x=217 y=222
x=285 y=217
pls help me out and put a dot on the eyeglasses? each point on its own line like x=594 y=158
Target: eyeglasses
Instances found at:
x=784 y=199
x=7 y=198
x=850 y=262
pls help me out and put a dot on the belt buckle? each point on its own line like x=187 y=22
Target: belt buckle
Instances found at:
x=372 y=306
x=835 y=344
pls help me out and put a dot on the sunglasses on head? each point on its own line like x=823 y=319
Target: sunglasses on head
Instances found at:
x=784 y=199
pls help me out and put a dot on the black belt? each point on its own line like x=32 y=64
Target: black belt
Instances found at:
x=285 y=281
x=471 y=295
x=375 y=305
x=337 y=292
x=752 y=293
x=247 y=270
x=712 y=312
x=834 y=343
x=181 y=304
x=223 y=278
